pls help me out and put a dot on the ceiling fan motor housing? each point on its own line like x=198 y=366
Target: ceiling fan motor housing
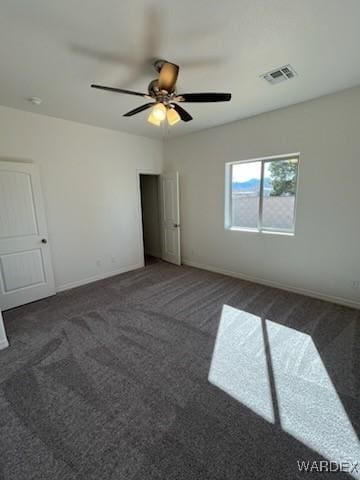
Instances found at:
x=153 y=88
x=160 y=95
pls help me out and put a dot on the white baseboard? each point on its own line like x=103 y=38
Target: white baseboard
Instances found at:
x=4 y=344
x=289 y=288
x=100 y=276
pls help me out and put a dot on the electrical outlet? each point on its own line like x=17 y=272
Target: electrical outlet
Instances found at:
x=356 y=284
x=98 y=263
x=113 y=259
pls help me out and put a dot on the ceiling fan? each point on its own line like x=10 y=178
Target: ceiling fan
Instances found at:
x=165 y=99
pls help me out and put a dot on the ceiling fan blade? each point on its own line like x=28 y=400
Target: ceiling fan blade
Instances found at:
x=138 y=109
x=184 y=115
x=119 y=90
x=168 y=76
x=204 y=97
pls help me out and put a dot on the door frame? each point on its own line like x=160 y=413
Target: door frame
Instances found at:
x=142 y=171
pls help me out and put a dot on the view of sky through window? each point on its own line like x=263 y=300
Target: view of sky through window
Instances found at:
x=268 y=202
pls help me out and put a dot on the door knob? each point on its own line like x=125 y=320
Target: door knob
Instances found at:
x=43 y=240
x=176 y=225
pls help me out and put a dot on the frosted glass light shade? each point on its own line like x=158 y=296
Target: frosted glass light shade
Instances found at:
x=172 y=116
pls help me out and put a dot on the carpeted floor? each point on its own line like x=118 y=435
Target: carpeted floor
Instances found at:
x=176 y=373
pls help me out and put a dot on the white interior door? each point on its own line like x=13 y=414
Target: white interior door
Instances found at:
x=170 y=216
x=25 y=264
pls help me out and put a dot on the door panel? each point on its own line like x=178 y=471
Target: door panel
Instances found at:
x=25 y=263
x=170 y=213
x=170 y=203
x=23 y=269
x=170 y=242
x=17 y=215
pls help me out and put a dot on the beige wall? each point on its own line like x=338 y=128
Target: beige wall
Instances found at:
x=323 y=258
x=89 y=181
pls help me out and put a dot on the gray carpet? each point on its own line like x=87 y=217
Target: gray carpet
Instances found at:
x=177 y=373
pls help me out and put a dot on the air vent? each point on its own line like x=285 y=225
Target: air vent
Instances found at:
x=279 y=74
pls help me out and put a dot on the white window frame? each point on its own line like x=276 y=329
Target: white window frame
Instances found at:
x=228 y=195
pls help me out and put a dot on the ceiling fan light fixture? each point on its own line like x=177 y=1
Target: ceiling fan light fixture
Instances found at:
x=153 y=120
x=164 y=99
x=159 y=112
x=172 y=116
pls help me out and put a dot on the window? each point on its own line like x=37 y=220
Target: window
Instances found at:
x=260 y=194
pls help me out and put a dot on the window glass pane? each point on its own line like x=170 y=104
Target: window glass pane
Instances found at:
x=245 y=194
x=279 y=188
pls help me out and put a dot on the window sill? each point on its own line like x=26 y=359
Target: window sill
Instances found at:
x=255 y=230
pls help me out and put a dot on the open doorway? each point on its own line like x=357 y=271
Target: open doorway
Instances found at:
x=150 y=208
x=160 y=216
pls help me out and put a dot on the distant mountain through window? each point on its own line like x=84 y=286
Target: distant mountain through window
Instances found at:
x=251 y=185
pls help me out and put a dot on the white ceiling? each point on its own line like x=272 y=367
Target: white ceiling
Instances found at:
x=55 y=49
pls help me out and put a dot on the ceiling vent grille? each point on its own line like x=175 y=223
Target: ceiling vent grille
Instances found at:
x=279 y=74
